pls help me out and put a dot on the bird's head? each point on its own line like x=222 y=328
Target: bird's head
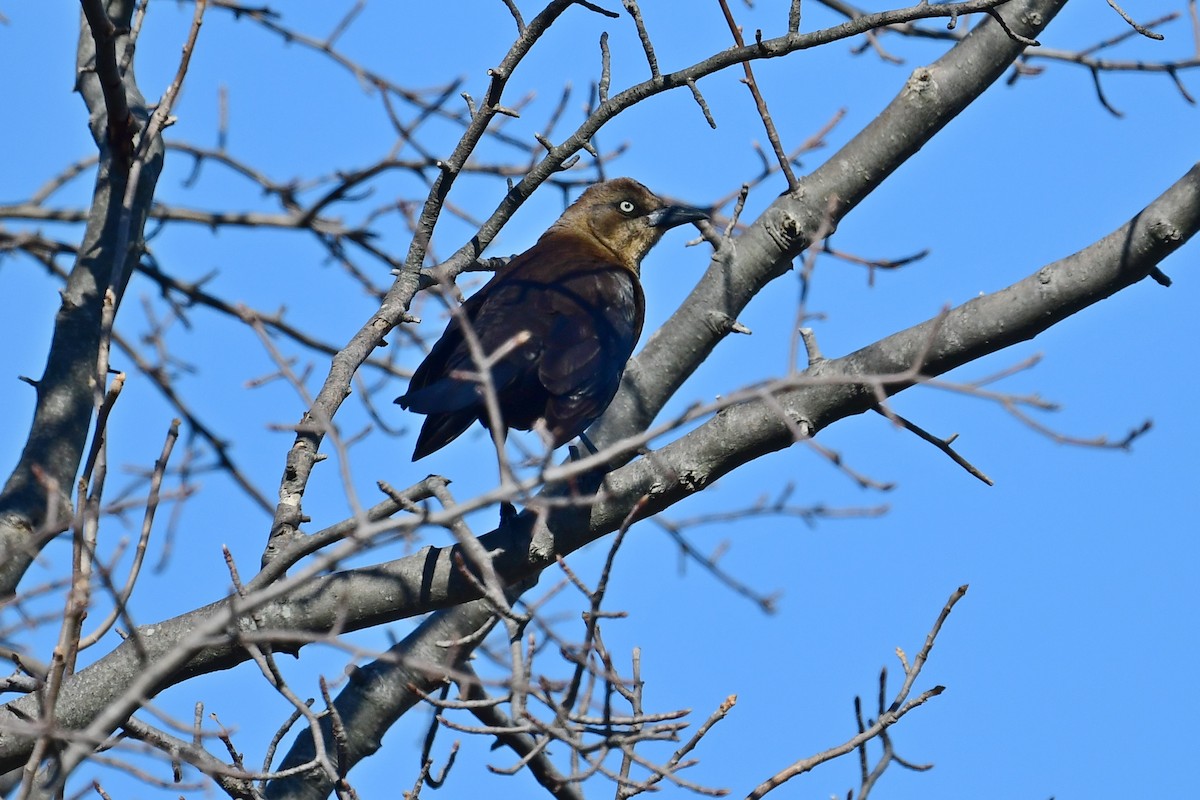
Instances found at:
x=623 y=217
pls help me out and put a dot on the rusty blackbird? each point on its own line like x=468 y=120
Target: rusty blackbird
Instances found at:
x=570 y=310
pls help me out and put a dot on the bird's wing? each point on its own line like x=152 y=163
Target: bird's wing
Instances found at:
x=596 y=317
x=441 y=384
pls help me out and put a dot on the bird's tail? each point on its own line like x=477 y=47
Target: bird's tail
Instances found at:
x=439 y=430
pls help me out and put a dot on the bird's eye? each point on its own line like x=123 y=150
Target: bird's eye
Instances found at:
x=626 y=207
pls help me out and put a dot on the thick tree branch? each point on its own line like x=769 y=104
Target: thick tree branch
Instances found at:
x=379 y=693
x=932 y=96
x=119 y=117
x=34 y=503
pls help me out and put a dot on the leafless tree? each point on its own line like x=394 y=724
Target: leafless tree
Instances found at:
x=487 y=654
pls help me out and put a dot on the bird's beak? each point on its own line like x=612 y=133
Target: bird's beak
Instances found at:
x=670 y=216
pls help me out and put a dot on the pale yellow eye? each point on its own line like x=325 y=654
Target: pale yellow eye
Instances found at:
x=626 y=207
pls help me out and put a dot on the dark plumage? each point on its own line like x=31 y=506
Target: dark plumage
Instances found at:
x=577 y=295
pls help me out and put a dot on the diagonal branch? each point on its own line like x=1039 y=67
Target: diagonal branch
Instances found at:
x=932 y=96
x=760 y=102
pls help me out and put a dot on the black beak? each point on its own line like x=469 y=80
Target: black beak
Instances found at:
x=670 y=216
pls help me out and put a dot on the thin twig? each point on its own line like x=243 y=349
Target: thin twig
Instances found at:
x=889 y=717
x=632 y=7
x=939 y=443
x=764 y=114
x=1139 y=28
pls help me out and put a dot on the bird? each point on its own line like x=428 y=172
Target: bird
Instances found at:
x=566 y=313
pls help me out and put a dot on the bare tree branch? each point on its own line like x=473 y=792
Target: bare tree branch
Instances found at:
x=832 y=390
x=66 y=389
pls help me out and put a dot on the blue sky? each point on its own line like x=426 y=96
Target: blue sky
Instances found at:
x=1068 y=664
